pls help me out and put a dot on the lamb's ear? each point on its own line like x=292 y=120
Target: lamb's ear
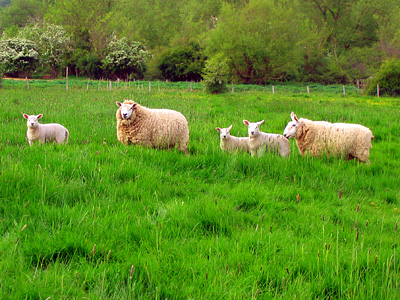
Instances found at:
x=230 y=127
x=39 y=116
x=294 y=117
x=118 y=103
x=245 y=122
x=218 y=129
x=259 y=123
x=133 y=107
x=25 y=116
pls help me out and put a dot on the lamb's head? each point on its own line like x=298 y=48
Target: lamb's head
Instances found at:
x=126 y=109
x=32 y=120
x=252 y=128
x=224 y=133
x=291 y=127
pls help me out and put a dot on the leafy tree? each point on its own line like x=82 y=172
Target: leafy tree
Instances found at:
x=259 y=46
x=52 y=42
x=21 y=13
x=216 y=74
x=125 y=58
x=18 y=57
x=388 y=78
x=183 y=63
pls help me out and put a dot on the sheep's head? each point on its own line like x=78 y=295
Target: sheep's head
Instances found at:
x=252 y=128
x=224 y=133
x=32 y=120
x=291 y=127
x=126 y=109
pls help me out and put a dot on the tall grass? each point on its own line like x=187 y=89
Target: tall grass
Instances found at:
x=97 y=219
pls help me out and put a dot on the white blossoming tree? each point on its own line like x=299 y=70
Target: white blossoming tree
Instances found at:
x=18 y=57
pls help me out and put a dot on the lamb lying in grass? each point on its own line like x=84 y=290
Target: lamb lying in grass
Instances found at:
x=156 y=128
x=44 y=133
x=333 y=139
x=232 y=143
x=260 y=141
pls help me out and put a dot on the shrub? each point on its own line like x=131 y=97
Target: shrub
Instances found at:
x=18 y=57
x=388 y=78
x=185 y=63
x=216 y=74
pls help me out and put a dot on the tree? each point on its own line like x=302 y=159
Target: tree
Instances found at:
x=125 y=58
x=184 y=63
x=258 y=44
x=52 y=42
x=18 y=57
x=388 y=79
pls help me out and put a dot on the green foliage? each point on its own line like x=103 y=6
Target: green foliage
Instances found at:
x=185 y=63
x=18 y=57
x=53 y=44
x=216 y=75
x=125 y=59
x=388 y=78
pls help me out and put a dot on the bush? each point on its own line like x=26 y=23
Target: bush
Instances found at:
x=388 y=78
x=216 y=74
x=185 y=63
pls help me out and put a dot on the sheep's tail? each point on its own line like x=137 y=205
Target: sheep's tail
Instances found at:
x=66 y=136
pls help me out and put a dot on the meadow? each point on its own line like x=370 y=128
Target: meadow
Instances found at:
x=95 y=219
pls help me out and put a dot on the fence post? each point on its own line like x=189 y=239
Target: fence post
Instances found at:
x=66 y=77
x=308 y=90
x=377 y=90
x=233 y=88
x=344 y=90
x=27 y=82
x=110 y=85
x=149 y=86
x=273 y=89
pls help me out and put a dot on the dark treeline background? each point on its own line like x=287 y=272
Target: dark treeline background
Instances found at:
x=248 y=41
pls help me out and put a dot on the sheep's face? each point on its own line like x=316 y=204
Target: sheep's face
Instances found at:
x=253 y=128
x=291 y=127
x=224 y=133
x=32 y=120
x=126 y=109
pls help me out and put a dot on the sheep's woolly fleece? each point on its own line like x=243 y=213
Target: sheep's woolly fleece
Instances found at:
x=333 y=139
x=156 y=128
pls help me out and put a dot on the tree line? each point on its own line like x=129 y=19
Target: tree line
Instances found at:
x=245 y=41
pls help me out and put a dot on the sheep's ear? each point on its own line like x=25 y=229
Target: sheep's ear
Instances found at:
x=118 y=103
x=230 y=127
x=218 y=129
x=25 y=116
x=39 y=116
x=259 y=123
x=134 y=106
x=245 y=122
x=294 y=117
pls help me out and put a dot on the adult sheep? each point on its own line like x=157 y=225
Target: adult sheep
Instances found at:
x=260 y=141
x=333 y=139
x=156 y=128
x=232 y=143
x=43 y=133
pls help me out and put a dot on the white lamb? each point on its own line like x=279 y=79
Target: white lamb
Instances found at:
x=333 y=139
x=44 y=133
x=260 y=141
x=232 y=143
x=156 y=128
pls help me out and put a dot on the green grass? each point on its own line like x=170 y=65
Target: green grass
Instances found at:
x=100 y=220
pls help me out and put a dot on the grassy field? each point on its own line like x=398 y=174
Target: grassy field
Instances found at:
x=95 y=219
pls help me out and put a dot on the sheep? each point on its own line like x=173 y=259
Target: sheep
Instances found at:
x=333 y=139
x=231 y=143
x=261 y=141
x=44 y=133
x=155 y=128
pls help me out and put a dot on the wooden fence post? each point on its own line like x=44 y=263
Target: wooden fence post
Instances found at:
x=149 y=86
x=377 y=90
x=308 y=90
x=27 y=82
x=344 y=90
x=66 y=77
x=273 y=89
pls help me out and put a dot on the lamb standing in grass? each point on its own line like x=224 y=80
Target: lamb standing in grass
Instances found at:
x=44 y=133
x=260 y=141
x=231 y=143
x=334 y=139
x=156 y=128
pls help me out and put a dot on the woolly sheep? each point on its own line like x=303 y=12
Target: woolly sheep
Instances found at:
x=156 y=128
x=44 y=133
x=260 y=141
x=334 y=139
x=231 y=143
